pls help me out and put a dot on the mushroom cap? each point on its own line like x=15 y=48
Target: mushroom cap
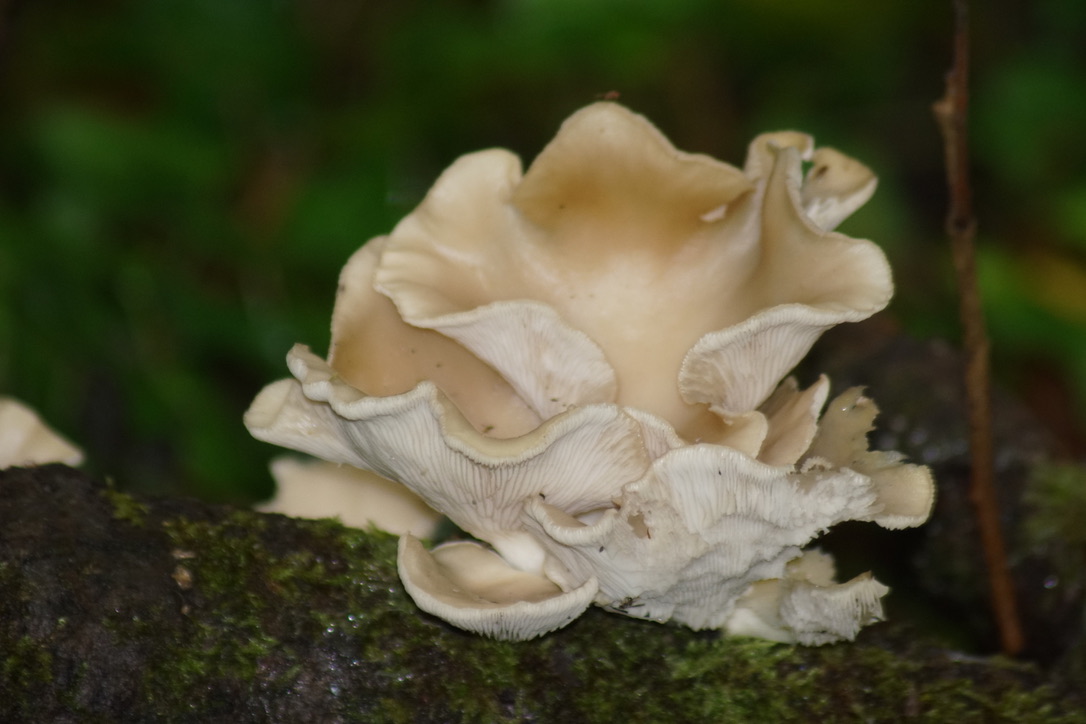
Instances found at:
x=618 y=268
x=906 y=492
x=805 y=605
x=359 y=498
x=475 y=589
x=26 y=440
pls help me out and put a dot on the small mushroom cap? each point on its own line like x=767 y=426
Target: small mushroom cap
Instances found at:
x=473 y=588
x=792 y=420
x=26 y=440
x=359 y=498
x=906 y=493
x=806 y=606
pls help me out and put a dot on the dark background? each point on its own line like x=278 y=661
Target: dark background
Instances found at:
x=181 y=180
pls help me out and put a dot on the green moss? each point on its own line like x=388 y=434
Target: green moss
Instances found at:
x=929 y=685
x=125 y=507
x=1053 y=549
x=741 y=680
x=306 y=620
x=1056 y=499
x=257 y=599
x=25 y=665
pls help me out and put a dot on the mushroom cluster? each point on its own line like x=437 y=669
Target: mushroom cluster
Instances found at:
x=581 y=366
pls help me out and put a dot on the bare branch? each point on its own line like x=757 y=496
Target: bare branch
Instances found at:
x=952 y=113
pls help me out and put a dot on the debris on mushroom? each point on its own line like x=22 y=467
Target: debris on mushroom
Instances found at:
x=583 y=366
x=26 y=440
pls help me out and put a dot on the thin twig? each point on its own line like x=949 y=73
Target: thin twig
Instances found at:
x=952 y=112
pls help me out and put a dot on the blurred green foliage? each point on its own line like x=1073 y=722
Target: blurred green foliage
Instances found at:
x=181 y=180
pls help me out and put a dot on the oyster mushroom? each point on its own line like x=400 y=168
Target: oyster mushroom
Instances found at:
x=26 y=440
x=581 y=366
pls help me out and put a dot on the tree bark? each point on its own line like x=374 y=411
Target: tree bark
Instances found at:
x=118 y=609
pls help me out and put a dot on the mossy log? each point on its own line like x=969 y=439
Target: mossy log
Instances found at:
x=118 y=609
